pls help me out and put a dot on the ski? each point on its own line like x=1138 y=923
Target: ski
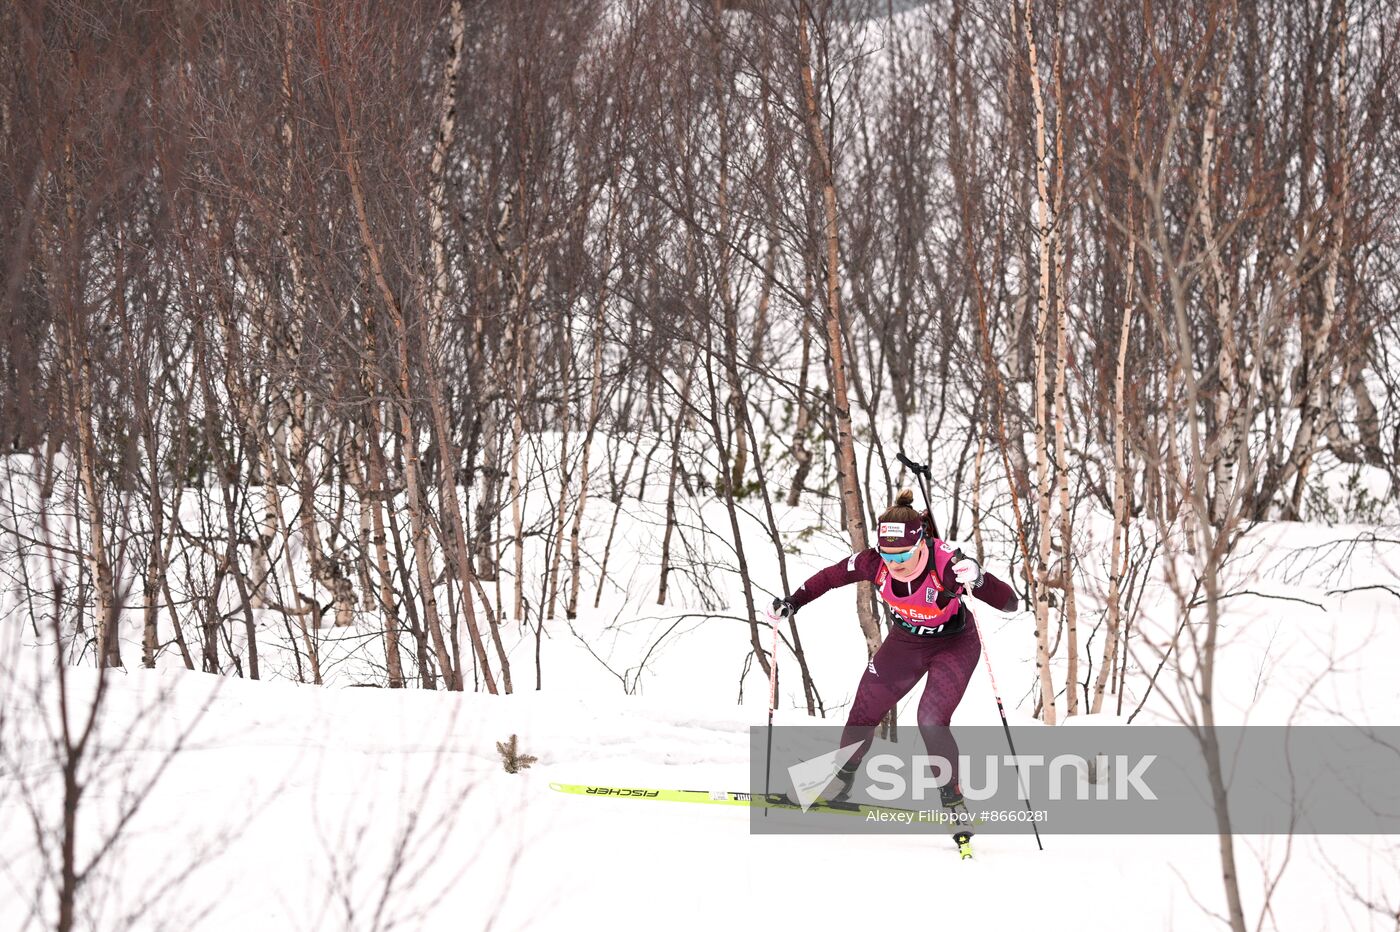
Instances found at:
x=707 y=797
x=734 y=798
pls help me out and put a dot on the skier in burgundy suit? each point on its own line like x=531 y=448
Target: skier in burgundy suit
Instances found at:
x=932 y=632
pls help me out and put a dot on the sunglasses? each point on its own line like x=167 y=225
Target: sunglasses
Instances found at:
x=903 y=557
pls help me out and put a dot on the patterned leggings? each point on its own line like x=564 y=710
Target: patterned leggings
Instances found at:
x=901 y=662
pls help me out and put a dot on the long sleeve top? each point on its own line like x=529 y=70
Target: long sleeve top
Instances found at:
x=930 y=598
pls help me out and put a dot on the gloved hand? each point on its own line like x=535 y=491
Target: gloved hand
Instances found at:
x=781 y=609
x=968 y=572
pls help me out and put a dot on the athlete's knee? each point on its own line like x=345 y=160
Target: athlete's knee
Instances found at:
x=864 y=716
x=869 y=708
x=935 y=715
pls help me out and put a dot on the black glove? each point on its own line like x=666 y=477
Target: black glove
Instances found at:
x=782 y=608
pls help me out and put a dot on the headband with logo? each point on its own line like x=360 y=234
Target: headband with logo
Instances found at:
x=896 y=534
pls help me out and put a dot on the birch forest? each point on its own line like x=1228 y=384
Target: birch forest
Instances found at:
x=348 y=335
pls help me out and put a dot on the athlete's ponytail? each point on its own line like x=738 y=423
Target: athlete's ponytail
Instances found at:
x=904 y=512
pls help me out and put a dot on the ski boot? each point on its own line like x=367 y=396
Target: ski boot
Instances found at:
x=838 y=791
x=959 y=817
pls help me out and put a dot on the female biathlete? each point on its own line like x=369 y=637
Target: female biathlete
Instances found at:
x=932 y=632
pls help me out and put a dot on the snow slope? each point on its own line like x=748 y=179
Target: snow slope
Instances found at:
x=289 y=802
x=281 y=806
x=302 y=795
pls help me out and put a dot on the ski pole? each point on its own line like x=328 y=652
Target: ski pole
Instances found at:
x=921 y=471
x=1006 y=726
x=772 y=703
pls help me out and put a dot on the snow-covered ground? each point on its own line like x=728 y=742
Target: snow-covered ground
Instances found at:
x=289 y=805
x=282 y=806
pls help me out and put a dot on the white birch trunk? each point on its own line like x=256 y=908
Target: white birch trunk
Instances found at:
x=1043 y=313
x=835 y=333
